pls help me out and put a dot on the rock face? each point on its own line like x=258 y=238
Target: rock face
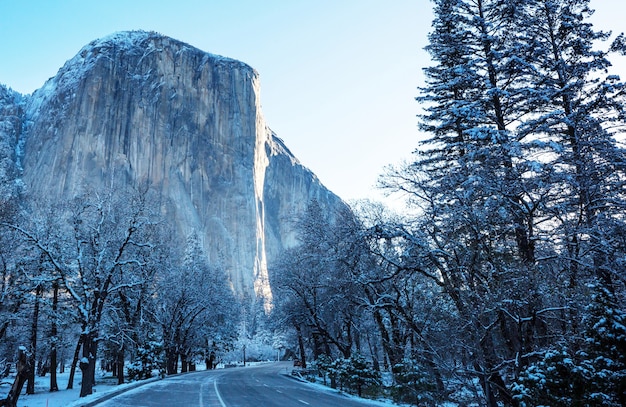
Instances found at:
x=139 y=107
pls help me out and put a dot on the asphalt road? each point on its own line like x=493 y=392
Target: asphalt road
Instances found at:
x=260 y=386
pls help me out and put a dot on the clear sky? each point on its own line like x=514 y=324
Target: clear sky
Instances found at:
x=338 y=77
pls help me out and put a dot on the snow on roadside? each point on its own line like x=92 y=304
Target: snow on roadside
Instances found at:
x=327 y=389
x=62 y=398
x=65 y=398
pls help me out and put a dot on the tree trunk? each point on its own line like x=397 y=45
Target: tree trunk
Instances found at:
x=53 y=337
x=210 y=361
x=171 y=358
x=492 y=382
x=490 y=398
x=70 y=382
x=441 y=388
x=301 y=346
x=119 y=365
x=88 y=363
x=183 y=363
x=30 y=386
x=24 y=369
x=388 y=346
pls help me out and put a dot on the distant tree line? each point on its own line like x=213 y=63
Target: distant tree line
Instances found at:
x=506 y=284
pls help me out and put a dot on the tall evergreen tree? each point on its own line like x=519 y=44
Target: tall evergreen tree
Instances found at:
x=478 y=212
x=576 y=109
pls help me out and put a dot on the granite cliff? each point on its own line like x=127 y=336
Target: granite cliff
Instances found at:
x=140 y=107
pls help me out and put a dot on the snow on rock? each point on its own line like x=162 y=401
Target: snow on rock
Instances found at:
x=137 y=107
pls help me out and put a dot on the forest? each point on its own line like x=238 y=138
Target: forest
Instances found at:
x=502 y=283
x=505 y=284
x=95 y=280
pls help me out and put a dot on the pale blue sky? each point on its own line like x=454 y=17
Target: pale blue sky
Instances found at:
x=338 y=77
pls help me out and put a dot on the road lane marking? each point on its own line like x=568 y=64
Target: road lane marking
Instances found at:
x=304 y=402
x=218 y=394
x=201 y=396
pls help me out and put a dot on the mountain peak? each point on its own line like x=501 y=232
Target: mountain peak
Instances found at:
x=140 y=108
x=140 y=55
x=127 y=38
x=140 y=42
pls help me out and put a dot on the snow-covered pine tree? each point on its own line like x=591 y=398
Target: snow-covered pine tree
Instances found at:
x=588 y=370
x=577 y=115
x=478 y=208
x=521 y=183
x=605 y=350
x=576 y=110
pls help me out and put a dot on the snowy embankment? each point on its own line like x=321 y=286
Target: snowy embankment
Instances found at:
x=105 y=384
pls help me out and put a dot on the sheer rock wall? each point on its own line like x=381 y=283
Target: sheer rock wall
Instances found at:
x=139 y=107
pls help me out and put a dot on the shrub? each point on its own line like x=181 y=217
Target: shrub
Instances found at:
x=149 y=358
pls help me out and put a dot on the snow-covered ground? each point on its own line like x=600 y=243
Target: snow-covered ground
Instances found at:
x=105 y=383
x=380 y=402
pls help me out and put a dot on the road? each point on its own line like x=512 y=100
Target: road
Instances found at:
x=260 y=386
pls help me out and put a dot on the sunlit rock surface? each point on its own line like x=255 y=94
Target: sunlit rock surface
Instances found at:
x=139 y=107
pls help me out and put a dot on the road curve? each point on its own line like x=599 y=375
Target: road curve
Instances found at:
x=259 y=386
